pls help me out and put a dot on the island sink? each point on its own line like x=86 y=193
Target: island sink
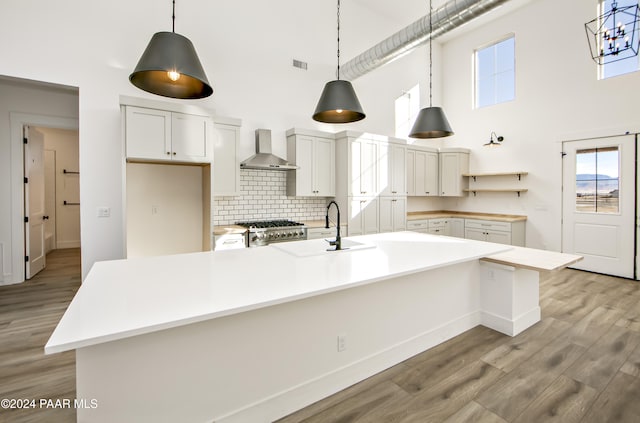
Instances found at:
x=316 y=247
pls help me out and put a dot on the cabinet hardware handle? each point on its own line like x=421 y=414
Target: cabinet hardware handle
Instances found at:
x=426 y=192
x=168 y=152
x=174 y=153
x=394 y=192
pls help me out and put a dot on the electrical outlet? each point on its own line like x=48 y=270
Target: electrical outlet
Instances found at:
x=154 y=209
x=342 y=342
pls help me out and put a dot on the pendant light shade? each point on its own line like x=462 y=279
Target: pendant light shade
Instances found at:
x=170 y=67
x=338 y=104
x=431 y=123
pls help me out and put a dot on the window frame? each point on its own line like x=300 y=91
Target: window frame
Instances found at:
x=474 y=58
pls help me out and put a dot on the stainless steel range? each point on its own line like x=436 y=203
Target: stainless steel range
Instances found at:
x=269 y=231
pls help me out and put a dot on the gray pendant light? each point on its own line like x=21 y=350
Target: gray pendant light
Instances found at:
x=431 y=121
x=338 y=102
x=170 y=67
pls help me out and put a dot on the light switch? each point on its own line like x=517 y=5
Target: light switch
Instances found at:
x=104 y=211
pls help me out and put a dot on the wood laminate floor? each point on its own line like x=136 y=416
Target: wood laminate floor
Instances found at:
x=581 y=363
x=28 y=314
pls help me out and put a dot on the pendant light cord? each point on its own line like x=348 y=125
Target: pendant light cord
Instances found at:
x=173 y=18
x=338 y=69
x=430 y=53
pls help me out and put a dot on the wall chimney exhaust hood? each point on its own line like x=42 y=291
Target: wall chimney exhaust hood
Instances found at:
x=264 y=159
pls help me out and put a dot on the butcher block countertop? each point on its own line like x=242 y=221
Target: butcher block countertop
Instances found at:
x=439 y=214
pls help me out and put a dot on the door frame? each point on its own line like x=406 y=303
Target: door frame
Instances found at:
x=636 y=199
x=16 y=122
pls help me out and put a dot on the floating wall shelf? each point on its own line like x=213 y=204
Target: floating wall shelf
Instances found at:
x=474 y=175
x=475 y=191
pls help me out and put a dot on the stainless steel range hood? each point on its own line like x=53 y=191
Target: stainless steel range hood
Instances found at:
x=264 y=159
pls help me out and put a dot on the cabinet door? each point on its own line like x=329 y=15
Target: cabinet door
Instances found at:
x=449 y=175
x=190 y=138
x=431 y=175
x=456 y=227
x=305 y=162
x=356 y=218
x=147 y=133
x=364 y=167
x=386 y=214
x=426 y=173
x=226 y=161
x=476 y=234
x=324 y=165
x=499 y=237
x=398 y=169
x=370 y=223
x=411 y=172
x=400 y=214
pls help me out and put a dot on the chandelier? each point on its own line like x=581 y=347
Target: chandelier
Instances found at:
x=613 y=35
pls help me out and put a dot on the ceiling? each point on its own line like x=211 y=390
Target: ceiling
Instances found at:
x=405 y=12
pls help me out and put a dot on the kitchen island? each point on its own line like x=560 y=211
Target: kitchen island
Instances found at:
x=254 y=334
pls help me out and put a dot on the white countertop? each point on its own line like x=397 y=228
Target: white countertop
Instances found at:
x=124 y=298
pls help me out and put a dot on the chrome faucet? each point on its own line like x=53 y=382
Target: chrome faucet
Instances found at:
x=338 y=242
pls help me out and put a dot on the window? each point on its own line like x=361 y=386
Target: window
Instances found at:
x=628 y=60
x=597 y=180
x=407 y=109
x=495 y=73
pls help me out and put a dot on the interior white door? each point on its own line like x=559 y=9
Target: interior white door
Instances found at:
x=599 y=204
x=34 y=204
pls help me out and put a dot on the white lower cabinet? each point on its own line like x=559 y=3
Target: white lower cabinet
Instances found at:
x=438 y=226
x=510 y=233
x=363 y=216
x=418 y=226
x=456 y=227
x=393 y=214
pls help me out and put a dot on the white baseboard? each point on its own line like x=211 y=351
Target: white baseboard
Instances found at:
x=511 y=327
x=300 y=396
x=60 y=245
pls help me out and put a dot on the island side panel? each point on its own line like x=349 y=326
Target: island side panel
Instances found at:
x=510 y=297
x=264 y=364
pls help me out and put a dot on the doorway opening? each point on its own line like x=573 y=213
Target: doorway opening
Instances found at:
x=51 y=193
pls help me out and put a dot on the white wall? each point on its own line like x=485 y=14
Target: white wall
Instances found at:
x=558 y=97
x=64 y=143
x=18 y=97
x=246 y=48
x=164 y=209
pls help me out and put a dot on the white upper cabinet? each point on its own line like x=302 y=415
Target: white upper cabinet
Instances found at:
x=422 y=171
x=363 y=167
x=226 y=160
x=315 y=156
x=191 y=138
x=160 y=135
x=454 y=162
x=393 y=169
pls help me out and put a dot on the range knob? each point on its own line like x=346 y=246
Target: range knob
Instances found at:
x=289 y=234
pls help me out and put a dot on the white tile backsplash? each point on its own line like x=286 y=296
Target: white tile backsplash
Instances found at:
x=263 y=196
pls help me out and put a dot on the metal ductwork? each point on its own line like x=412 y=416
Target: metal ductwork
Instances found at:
x=449 y=16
